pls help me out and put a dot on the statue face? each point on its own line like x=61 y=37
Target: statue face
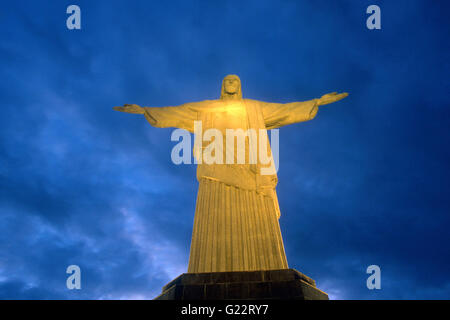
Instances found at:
x=231 y=85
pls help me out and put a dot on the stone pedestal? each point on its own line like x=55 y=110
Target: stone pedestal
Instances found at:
x=242 y=285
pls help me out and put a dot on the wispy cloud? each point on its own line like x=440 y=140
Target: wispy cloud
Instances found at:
x=365 y=183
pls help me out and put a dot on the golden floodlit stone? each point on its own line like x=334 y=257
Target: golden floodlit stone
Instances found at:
x=236 y=217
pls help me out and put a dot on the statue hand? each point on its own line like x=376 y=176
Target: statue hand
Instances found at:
x=130 y=108
x=331 y=97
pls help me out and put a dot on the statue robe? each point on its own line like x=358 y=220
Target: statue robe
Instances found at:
x=236 y=218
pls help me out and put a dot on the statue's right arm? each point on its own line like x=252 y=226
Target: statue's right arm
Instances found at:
x=130 y=108
x=182 y=116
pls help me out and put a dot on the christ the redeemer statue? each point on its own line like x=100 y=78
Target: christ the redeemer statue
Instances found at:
x=236 y=218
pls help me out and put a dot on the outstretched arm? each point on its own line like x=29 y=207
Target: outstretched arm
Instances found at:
x=130 y=108
x=182 y=116
x=331 y=97
x=281 y=114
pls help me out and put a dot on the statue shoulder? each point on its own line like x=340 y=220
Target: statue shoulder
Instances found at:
x=252 y=102
x=204 y=105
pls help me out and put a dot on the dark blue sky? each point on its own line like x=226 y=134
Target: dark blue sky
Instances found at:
x=366 y=182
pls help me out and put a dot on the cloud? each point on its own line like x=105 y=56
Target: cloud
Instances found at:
x=365 y=182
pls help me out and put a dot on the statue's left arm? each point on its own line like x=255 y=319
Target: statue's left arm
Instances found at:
x=281 y=114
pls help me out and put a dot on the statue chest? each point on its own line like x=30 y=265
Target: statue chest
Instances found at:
x=231 y=116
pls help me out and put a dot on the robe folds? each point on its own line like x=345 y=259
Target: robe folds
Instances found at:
x=236 y=217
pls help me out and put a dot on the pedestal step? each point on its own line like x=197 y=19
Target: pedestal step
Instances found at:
x=242 y=285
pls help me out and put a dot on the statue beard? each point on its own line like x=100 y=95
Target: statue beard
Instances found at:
x=228 y=95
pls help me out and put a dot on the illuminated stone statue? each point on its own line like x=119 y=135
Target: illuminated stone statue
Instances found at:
x=236 y=218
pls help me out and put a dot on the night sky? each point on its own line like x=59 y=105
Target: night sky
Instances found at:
x=366 y=182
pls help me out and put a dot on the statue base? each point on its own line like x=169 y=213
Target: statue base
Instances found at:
x=242 y=285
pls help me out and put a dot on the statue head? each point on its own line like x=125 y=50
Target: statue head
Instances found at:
x=231 y=87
